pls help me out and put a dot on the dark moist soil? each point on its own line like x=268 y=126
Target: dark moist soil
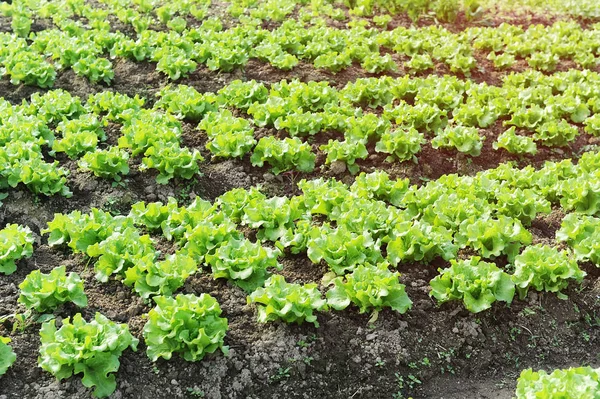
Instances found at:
x=430 y=352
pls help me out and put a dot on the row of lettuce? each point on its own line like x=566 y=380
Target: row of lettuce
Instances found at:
x=84 y=41
x=394 y=117
x=372 y=224
x=177 y=15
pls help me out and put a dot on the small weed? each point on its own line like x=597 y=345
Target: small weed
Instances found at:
x=195 y=392
x=514 y=332
x=308 y=360
x=585 y=336
x=281 y=374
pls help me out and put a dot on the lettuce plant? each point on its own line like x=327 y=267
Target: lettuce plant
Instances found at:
x=420 y=241
x=592 y=125
x=333 y=61
x=523 y=204
x=78 y=136
x=171 y=161
x=478 y=284
x=95 y=69
x=55 y=105
x=301 y=123
x=341 y=249
x=90 y=348
x=79 y=231
x=556 y=133
x=401 y=144
x=283 y=155
x=379 y=63
x=174 y=62
x=322 y=196
x=273 y=216
x=292 y=303
x=361 y=214
x=147 y=128
x=180 y=221
x=464 y=139
x=186 y=324
x=348 y=151
x=45 y=292
x=514 y=143
x=575 y=382
x=111 y=163
x=494 y=237
x=153 y=214
x=7 y=356
x=581 y=232
x=16 y=242
x=204 y=238
x=117 y=106
x=120 y=251
x=370 y=287
x=30 y=68
x=419 y=62
x=185 y=102
x=150 y=278
x=296 y=237
x=581 y=194
x=23 y=162
x=243 y=94
x=544 y=268
x=378 y=185
x=232 y=144
x=243 y=262
x=229 y=136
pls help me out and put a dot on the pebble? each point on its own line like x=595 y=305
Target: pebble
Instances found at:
x=337 y=167
x=269 y=177
x=174 y=382
x=371 y=337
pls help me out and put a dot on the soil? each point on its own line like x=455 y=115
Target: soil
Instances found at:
x=430 y=352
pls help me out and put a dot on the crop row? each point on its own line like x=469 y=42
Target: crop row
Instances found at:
x=488 y=214
x=177 y=15
x=177 y=53
x=372 y=224
x=393 y=116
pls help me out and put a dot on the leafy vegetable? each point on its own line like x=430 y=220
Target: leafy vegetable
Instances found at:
x=111 y=163
x=16 y=242
x=92 y=349
x=401 y=144
x=575 y=382
x=341 y=249
x=293 y=303
x=370 y=287
x=7 y=356
x=478 y=284
x=186 y=324
x=45 y=292
x=283 y=155
x=464 y=139
x=544 y=268
x=150 y=278
x=493 y=237
x=244 y=262
x=514 y=143
x=171 y=161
